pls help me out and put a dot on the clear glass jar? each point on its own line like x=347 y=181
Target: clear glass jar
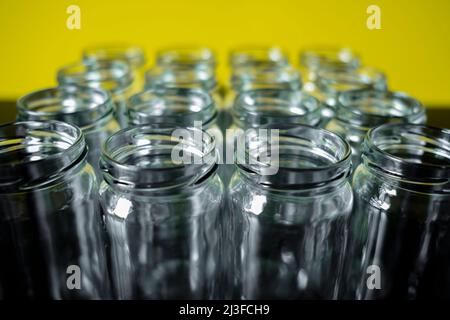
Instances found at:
x=187 y=56
x=400 y=226
x=133 y=55
x=335 y=59
x=115 y=77
x=290 y=224
x=357 y=111
x=50 y=221
x=162 y=213
x=90 y=109
x=329 y=84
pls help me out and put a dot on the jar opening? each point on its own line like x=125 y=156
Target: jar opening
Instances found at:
x=78 y=105
x=113 y=76
x=189 y=56
x=303 y=157
x=371 y=108
x=177 y=106
x=258 y=55
x=257 y=108
x=329 y=58
x=34 y=152
x=411 y=151
x=133 y=55
x=146 y=157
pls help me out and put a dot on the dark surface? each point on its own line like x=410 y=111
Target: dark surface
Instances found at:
x=438 y=116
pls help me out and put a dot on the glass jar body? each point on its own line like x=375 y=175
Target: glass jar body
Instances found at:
x=402 y=234
x=289 y=244
x=49 y=233
x=164 y=245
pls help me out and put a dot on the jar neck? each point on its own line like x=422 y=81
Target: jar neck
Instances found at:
x=156 y=158
x=365 y=109
x=202 y=78
x=178 y=106
x=250 y=78
x=411 y=153
x=258 y=56
x=132 y=55
x=189 y=57
x=331 y=83
x=113 y=76
x=333 y=59
x=272 y=107
x=37 y=153
x=300 y=158
x=81 y=106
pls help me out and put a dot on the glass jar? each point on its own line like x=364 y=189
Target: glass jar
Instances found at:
x=329 y=84
x=90 y=109
x=327 y=58
x=399 y=236
x=133 y=55
x=51 y=233
x=187 y=56
x=246 y=56
x=115 y=77
x=357 y=111
x=289 y=202
x=161 y=212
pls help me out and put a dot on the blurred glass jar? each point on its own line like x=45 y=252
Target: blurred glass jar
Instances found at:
x=133 y=55
x=115 y=77
x=289 y=201
x=329 y=84
x=161 y=212
x=253 y=56
x=50 y=221
x=189 y=57
x=357 y=111
x=334 y=59
x=400 y=235
x=90 y=109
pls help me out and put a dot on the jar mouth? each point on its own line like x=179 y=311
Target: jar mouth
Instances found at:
x=180 y=77
x=81 y=106
x=189 y=56
x=370 y=108
x=33 y=152
x=133 y=55
x=263 y=77
x=178 y=106
x=411 y=151
x=304 y=157
x=329 y=58
x=143 y=157
x=113 y=76
x=333 y=82
x=263 y=107
x=257 y=55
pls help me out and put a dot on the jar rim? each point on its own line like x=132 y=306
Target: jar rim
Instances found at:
x=79 y=105
x=372 y=107
x=138 y=157
x=414 y=152
x=184 y=106
x=187 y=55
x=286 y=106
x=112 y=75
x=329 y=58
x=253 y=55
x=131 y=54
x=58 y=146
x=319 y=157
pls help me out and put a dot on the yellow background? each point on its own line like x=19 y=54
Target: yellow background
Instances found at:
x=412 y=47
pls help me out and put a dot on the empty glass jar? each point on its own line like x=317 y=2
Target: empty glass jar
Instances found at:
x=51 y=232
x=90 y=109
x=246 y=56
x=188 y=56
x=161 y=198
x=133 y=55
x=400 y=235
x=115 y=77
x=357 y=111
x=289 y=202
